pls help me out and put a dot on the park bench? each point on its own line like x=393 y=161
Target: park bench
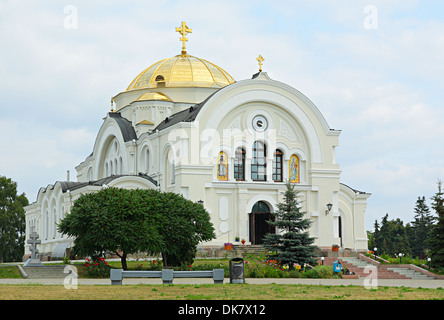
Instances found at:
x=167 y=275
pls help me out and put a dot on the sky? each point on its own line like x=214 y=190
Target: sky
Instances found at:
x=373 y=68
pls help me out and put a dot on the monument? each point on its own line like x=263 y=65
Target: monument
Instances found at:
x=34 y=261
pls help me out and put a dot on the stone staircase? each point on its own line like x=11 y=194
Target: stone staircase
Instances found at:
x=358 y=266
x=411 y=274
x=45 y=272
x=250 y=249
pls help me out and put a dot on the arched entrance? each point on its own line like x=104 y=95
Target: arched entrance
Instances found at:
x=259 y=227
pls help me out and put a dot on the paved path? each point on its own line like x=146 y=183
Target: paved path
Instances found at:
x=433 y=284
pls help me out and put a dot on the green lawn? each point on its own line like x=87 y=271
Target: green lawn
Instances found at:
x=9 y=271
x=216 y=292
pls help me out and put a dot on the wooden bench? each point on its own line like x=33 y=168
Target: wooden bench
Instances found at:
x=167 y=275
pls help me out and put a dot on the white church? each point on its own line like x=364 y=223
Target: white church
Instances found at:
x=184 y=125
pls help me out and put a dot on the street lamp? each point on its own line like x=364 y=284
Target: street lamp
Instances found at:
x=374 y=251
x=400 y=257
x=329 y=206
x=322 y=259
x=429 y=259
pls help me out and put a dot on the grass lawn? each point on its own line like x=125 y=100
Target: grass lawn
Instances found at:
x=9 y=272
x=216 y=292
x=205 y=291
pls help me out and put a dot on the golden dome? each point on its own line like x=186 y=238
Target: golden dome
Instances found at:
x=153 y=96
x=182 y=71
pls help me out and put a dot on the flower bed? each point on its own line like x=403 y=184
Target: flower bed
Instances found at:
x=96 y=268
x=257 y=266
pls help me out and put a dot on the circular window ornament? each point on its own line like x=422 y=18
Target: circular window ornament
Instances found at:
x=260 y=123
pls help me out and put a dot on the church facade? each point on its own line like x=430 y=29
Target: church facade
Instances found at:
x=184 y=125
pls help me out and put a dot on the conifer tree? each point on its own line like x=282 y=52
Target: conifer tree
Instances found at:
x=420 y=228
x=292 y=244
x=436 y=241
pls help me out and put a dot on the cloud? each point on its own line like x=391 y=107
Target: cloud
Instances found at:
x=382 y=88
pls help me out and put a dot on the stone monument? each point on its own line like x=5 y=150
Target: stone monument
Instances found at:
x=34 y=261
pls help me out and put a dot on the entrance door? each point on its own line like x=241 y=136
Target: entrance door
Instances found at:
x=258 y=222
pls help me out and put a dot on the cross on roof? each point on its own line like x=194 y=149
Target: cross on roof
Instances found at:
x=183 y=30
x=260 y=59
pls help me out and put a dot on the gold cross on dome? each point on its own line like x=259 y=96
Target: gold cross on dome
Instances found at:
x=183 y=30
x=260 y=59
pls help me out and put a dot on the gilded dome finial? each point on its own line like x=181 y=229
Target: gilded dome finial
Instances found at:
x=260 y=59
x=183 y=30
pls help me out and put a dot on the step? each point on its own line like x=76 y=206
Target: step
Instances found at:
x=358 y=266
x=409 y=273
x=45 y=272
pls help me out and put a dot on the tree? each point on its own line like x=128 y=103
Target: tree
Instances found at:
x=293 y=244
x=183 y=226
x=391 y=237
x=420 y=228
x=436 y=241
x=113 y=220
x=12 y=221
x=130 y=221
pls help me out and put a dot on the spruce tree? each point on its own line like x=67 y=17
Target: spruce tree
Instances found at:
x=292 y=244
x=420 y=228
x=436 y=240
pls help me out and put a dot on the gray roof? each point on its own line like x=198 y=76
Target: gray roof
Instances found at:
x=77 y=185
x=125 y=126
x=187 y=115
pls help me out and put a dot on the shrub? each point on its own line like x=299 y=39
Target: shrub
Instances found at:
x=322 y=272
x=97 y=268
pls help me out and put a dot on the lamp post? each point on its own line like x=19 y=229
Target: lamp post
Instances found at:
x=374 y=251
x=400 y=257
x=429 y=260
x=322 y=260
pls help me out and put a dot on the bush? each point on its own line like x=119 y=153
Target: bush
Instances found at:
x=97 y=268
x=323 y=272
x=269 y=269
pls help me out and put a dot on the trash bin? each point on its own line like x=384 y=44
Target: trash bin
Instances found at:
x=237 y=270
x=337 y=266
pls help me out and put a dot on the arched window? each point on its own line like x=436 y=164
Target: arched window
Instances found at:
x=173 y=172
x=239 y=164
x=259 y=162
x=293 y=168
x=277 y=166
x=260 y=207
x=46 y=224
x=147 y=160
x=54 y=226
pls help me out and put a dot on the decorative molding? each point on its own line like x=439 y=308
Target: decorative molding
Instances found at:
x=285 y=131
